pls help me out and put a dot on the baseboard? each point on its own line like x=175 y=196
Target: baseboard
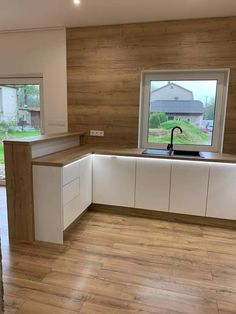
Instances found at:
x=173 y=217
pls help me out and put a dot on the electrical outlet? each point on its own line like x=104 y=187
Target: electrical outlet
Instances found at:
x=96 y=133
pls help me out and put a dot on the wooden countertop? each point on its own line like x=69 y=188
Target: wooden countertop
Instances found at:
x=42 y=138
x=66 y=157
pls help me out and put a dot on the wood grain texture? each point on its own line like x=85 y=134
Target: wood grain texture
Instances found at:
x=112 y=263
x=43 y=138
x=19 y=191
x=105 y=63
x=66 y=157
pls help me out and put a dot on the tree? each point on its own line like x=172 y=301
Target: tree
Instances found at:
x=28 y=94
x=209 y=110
x=5 y=128
x=156 y=119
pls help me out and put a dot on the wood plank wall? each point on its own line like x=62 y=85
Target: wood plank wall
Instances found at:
x=104 y=66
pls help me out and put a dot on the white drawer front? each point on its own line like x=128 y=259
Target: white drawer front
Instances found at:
x=70 y=191
x=71 y=211
x=70 y=172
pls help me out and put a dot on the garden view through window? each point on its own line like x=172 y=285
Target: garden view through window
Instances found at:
x=19 y=114
x=189 y=104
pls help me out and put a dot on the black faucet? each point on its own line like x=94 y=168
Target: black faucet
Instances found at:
x=170 y=146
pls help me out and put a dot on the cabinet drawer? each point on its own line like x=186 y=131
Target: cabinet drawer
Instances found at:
x=71 y=211
x=70 y=172
x=70 y=191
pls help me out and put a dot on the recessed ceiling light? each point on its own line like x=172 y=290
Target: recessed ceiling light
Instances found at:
x=76 y=2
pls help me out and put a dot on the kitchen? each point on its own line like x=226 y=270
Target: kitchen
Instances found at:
x=165 y=224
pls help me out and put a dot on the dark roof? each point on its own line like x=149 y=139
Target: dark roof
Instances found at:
x=177 y=106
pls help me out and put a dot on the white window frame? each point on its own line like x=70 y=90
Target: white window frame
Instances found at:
x=36 y=79
x=222 y=77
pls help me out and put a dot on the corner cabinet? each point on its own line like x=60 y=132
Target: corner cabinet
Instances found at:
x=61 y=195
x=114 y=180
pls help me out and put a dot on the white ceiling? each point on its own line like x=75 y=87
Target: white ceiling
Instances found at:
x=20 y=14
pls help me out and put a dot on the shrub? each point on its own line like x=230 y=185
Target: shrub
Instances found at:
x=156 y=119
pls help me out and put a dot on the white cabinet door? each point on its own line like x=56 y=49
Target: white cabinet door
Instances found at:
x=152 y=184
x=222 y=191
x=85 y=175
x=113 y=180
x=189 y=185
x=48 y=211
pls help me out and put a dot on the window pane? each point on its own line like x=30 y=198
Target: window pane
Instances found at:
x=189 y=104
x=19 y=114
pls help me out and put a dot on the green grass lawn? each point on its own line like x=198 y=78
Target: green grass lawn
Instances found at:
x=190 y=135
x=13 y=135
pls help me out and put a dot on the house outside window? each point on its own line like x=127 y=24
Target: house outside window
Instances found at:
x=193 y=100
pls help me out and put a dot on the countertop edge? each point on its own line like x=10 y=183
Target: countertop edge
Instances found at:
x=82 y=152
x=42 y=138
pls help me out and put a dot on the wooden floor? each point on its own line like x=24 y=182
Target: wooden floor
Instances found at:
x=114 y=264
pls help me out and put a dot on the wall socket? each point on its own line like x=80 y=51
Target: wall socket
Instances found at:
x=96 y=133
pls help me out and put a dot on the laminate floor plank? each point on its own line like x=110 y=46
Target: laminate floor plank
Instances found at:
x=111 y=263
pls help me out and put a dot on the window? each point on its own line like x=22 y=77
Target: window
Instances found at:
x=20 y=110
x=193 y=100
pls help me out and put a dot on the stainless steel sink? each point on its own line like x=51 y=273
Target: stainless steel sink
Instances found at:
x=158 y=152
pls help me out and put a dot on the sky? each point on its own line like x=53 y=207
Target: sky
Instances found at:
x=201 y=89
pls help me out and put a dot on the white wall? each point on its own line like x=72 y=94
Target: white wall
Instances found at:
x=40 y=52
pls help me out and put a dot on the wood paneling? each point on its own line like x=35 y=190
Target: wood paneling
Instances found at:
x=104 y=66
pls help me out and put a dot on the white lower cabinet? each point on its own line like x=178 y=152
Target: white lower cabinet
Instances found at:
x=222 y=191
x=185 y=187
x=152 y=184
x=114 y=180
x=189 y=185
x=48 y=214
x=61 y=195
